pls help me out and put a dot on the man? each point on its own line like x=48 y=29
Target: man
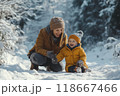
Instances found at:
x=49 y=42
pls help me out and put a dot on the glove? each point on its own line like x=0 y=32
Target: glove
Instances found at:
x=80 y=63
x=29 y=54
x=54 y=60
x=52 y=56
x=78 y=70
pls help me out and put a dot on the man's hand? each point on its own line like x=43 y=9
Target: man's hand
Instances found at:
x=54 y=60
x=30 y=53
x=52 y=56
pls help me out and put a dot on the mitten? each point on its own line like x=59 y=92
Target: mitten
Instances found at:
x=29 y=54
x=54 y=60
x=80 y=63
x=52 y=56
x=78 y=70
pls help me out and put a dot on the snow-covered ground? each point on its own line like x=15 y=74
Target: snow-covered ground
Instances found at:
x=99 y=59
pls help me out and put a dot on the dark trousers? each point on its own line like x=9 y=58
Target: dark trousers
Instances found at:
x=41 y=60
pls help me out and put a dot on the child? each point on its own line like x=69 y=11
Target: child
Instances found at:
x=74 y=54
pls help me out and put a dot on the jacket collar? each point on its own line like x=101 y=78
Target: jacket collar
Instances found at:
x=50 y=35
x=73 y=47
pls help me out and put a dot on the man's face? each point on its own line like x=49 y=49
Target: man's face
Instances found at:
x=57 y=32
x=72 y=43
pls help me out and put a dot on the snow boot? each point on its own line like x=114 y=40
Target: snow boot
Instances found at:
x=33 y=66
x=48 y=68
x=83 y=69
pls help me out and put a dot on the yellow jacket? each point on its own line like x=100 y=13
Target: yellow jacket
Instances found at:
x=72 y=56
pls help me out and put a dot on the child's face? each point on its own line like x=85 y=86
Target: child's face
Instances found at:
x=72 y=43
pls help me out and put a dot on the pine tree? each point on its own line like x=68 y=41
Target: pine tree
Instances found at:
x=115 y=21
x=93 y=18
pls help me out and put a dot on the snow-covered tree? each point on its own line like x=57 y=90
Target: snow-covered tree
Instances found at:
x=93 y=17
x=115 y=21
x=8 y=38
x=9 y=32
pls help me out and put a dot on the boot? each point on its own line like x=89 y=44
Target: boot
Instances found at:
x=48 y=68
x=33 y=66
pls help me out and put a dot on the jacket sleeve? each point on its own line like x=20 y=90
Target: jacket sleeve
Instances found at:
x=60 y=55
x=83 y=56
x=40 y=43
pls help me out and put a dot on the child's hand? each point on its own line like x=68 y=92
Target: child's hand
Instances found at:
x=80 y=63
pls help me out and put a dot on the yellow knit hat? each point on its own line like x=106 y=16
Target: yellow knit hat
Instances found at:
x=76 y=38
x=56 y=22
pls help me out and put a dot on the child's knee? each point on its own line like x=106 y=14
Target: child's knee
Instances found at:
x=71 y=69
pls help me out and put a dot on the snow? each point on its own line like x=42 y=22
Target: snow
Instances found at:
x=107 y=11
x=1 y=45
x=100 y=60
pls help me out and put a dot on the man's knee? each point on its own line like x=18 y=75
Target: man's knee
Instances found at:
x=38 y=59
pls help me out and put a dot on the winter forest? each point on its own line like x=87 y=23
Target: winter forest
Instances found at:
x=20 y=24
